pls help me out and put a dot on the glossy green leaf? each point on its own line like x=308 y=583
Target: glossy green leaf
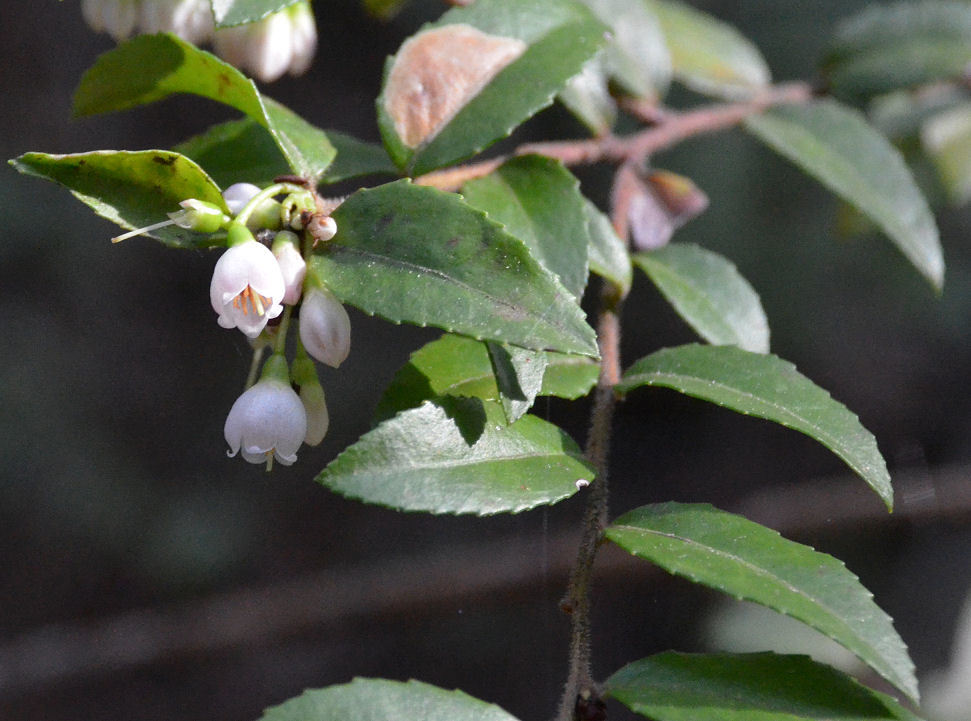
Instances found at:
x=167 y=65
x=539 y=202
x=709 y=293
x=418 y=255
x=519 y=377
x=132 y=189
x=236 y=151
x=356 y=158
x=636 y=55
x=458 y=366
x=384 y=9
x=374 y=699
x=608 y=255
x=587 y=96
x=746 y=687
x=900 y=45
x=708 y=55
x=469 y=79
x=767 y=387
x=752 y=562
x=239 y=12
x=457 y=455
x=836 y=145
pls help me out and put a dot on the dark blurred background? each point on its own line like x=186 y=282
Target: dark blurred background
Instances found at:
x=146 y=576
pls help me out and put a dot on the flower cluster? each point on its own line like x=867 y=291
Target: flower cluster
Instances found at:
x=282 y=41
x=257 y=283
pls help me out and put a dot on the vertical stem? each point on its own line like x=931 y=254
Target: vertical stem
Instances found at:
x=580 y=686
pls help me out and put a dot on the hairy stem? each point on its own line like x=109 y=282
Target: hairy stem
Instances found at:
x=580 y=686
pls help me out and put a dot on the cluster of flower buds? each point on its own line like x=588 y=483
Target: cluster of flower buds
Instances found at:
x=280 y=42
x=262 y=276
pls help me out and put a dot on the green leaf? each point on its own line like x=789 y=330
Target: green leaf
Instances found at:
x=587 y=96
x=356 y=158
x=457 y=455
x=741 y=558
x=236 y=151
x=373 y=699
x=746 y=687
x=608 y=255
x=239 y=12
x=836 y=145
x=458 y=366
x=519 y=377
x=167 y=65
x=539 y=202
x=418 y=255
x=708 y=55
x=709 y=293
x=767 y=387
x=886 y=47
x=469 y=79
x=132 y=189
x=636 y=56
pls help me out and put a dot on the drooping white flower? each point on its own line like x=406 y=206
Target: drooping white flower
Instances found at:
x=115 y=17
x=267 y=421
x=247 y=287
x=189 y=19
x=238 y=195
x=325 y=329
x=292 y=265
x=284 y=40
x=318 y=419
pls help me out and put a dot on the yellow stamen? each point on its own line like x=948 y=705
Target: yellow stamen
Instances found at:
x=251 y=299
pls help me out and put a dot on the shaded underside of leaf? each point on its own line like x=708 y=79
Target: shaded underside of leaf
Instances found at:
x=709 y=293
x=835 y=145
x=746 y=687
x=134 y=189
x=741 y=558
x=457 y=455
x=767 y=387
x=415 y=254
x=372 y=699
x=458 y=366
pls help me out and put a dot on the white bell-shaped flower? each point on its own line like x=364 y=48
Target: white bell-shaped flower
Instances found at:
x=284 y=40
x=268 y=421
x=247 y=286
x=115 y=17
x=294 y=268
x=189 y=19
x=325 y=329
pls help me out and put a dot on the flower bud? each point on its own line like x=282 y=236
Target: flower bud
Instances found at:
x=115 y=17
x=268 y=421
x=284 y=40
x=325 y=329
x=286 y=249
x=200 y=216
x=189 y=19
x=315 y=406
x=238 y=195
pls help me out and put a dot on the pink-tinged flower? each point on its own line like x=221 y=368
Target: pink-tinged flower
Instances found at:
x=268 y=421
x=292 y=265
x=315 y=405
x=285 y=40
x=325 y=329
x=247 y=288
x=115 y=17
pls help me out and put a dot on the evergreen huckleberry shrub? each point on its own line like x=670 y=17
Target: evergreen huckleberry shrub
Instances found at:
x=498 y=253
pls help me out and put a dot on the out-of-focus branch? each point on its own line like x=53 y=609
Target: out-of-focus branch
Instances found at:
x=666 y=130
